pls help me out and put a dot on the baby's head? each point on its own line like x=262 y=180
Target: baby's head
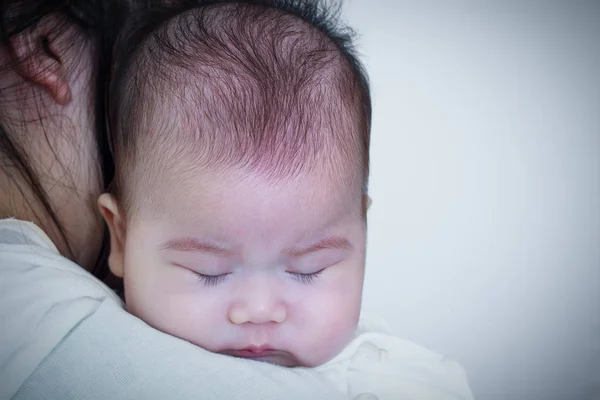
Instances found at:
x=241 y=137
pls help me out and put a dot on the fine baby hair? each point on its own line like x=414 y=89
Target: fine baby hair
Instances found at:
x=273 y=87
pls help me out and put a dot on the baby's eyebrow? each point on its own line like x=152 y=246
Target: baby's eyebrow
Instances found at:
x=333 y=242
x=193 y=244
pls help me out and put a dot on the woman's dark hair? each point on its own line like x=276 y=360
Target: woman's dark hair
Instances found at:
x=95 y=20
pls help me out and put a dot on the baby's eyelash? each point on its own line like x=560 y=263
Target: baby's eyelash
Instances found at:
x=211 y=280
x=306 y=278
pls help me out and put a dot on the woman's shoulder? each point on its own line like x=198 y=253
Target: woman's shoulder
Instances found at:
x=29 y=261
x=43 y=296
x=18 y=232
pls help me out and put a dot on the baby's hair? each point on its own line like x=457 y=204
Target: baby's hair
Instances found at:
x=270 y=86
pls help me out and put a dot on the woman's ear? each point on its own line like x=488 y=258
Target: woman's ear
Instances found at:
x=109 y=208
x=39 y=59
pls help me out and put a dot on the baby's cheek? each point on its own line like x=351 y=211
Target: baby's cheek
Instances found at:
x=337 y=320
x=180 y=308
x=328 y=322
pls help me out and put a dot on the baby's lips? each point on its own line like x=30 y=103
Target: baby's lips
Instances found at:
x=259 y=349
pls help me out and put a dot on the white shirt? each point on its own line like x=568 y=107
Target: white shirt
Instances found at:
x=378 y=365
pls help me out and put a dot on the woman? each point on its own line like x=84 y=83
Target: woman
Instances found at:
x=65 y=334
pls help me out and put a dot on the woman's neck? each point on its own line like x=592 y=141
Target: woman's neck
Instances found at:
x=71 y=221
x=61 y=164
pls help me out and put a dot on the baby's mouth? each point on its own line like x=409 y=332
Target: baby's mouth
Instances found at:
x=265 y=354
x=252 y=352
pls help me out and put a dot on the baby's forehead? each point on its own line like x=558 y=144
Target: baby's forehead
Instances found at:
x=218 y=192
x=248 y=214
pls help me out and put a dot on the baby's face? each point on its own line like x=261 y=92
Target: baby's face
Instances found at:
x=249 y=268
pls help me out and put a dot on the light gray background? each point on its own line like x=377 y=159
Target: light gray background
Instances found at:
x=484 y=240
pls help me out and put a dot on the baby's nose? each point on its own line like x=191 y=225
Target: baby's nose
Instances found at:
x=260 y=313
x=260 y=302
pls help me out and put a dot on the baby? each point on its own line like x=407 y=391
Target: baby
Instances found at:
x=238 y=217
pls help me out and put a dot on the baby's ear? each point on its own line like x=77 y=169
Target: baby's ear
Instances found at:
x=109 y=208
x=366 y=203
x=39 y=58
